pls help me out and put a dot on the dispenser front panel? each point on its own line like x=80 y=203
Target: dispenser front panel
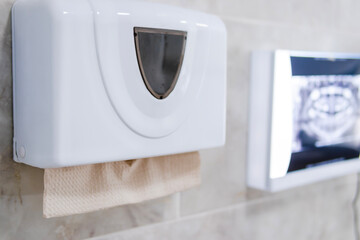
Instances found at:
x=106 y=107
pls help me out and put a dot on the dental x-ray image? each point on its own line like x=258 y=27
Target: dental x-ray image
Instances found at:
x=326 y=111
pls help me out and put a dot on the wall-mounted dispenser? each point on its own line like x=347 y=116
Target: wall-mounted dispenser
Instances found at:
x=109 y=80
x=304 y=118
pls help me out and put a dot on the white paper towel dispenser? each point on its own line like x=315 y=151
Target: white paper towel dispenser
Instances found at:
x=304 y=118
x=108 y=80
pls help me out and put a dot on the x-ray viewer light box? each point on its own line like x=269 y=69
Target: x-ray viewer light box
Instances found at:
x=304 y=118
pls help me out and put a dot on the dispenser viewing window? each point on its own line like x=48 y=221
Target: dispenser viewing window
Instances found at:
x=310 y=123
x=160 y=53
x=326 y=111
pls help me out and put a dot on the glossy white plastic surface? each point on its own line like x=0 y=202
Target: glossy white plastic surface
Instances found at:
x=79 y=97
x=270 y=125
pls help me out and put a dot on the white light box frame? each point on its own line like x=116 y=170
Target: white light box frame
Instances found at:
x=304 y=118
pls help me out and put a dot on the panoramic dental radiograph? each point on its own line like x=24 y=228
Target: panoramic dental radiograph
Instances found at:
x=325 y=111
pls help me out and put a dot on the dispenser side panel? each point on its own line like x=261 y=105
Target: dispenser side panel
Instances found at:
x=33 y=65
x=42 y=38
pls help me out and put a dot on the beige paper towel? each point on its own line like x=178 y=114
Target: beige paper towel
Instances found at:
x=81 y=189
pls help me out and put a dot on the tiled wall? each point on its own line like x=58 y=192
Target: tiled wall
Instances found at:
x=222 y=207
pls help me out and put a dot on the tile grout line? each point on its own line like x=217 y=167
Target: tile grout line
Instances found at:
x=260 y=22
x=177 y=203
